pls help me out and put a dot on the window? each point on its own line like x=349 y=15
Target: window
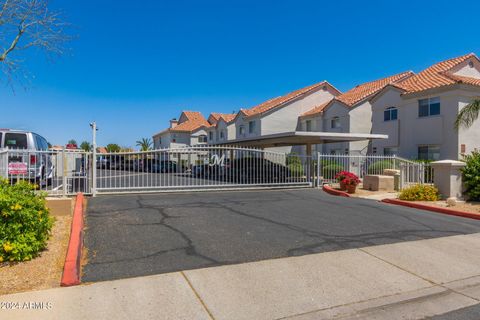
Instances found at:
x=428 y=152
x=241 y=130
x=210 y=135
x=390 y=151
x=251 y=127
x=202 y=138
x=335 y=123
x=222 y=135
x=16 y=141
x=390 y=114
x=429 y=107
x=308 y=125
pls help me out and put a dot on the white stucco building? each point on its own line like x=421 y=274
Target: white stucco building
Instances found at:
x=221 y=128
x=350 y=112
x=281 y=114
x=188 y=130
x=418 y=114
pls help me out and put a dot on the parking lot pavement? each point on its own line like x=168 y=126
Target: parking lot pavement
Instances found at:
x=135 y=235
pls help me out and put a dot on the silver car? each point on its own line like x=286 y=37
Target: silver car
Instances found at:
x=28 y=156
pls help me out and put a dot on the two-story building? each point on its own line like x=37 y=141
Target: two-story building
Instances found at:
x=221 y=127
x=188 y=130
x=347 y=113
x=418 y=114
x=281 y=114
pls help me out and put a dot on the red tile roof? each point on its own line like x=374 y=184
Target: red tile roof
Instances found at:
x=227 y=117
x=277 y=102
x=365 y=90
x=194 y=121
x=437 y=76
x=318 y=109
x=360 y=92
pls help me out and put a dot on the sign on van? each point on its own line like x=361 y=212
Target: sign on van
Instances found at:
x=17 y=168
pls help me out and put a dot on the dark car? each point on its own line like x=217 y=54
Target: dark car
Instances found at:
x=256 y=170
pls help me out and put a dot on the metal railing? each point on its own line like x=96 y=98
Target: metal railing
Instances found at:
x=200 y=168
x=61 y=172
x=410 y=172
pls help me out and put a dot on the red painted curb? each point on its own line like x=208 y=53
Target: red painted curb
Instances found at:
x=451 y=212
x=71 y=269
x=335 y=192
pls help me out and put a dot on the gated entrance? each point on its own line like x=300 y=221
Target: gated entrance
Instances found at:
x=67 y=172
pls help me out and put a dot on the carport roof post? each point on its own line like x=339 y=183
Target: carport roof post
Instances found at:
x=296 y=138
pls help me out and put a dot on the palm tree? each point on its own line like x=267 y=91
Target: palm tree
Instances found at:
x=86 y=146
x=145 y=144
x=467 y=116
x=113 y=147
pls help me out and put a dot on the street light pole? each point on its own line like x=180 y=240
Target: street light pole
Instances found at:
x=93 y=125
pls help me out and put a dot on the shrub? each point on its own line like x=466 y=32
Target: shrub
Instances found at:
x=25 y=222
x=294 y=165
x=471 y=175
x=420 y=192
x=330 y=171
x=378 y=166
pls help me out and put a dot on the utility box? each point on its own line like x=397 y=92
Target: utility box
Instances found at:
x=379 y=183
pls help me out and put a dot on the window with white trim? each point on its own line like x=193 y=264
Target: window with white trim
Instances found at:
x=335 y=123
x=431 y=152
x=251 y=126
x=390 y=114
x=428 y=107
x=308 y=125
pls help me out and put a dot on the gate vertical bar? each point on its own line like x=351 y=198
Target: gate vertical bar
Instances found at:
x=64 y=175
x=94 y=159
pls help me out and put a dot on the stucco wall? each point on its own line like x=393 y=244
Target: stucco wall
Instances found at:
x=285 y=118
x=340 y=111
x=469 y=137
x=360 y=122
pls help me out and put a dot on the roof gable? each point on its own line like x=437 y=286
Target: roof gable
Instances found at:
x=368 y=89
x=438 y=75
x=280 y=101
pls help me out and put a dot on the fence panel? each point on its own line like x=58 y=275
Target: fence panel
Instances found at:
x=410 y=172
x=55 y=172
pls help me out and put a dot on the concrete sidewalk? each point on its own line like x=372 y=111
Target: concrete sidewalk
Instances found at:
x=408 y=280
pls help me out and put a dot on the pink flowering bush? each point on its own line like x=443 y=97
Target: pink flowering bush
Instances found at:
x=347 y=178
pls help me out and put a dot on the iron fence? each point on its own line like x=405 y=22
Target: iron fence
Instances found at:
x=63 y=172
x=408 y=172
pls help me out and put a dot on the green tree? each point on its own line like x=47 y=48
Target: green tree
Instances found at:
x=467 y=116
x=86 y=146
x=113 y=147
x=145 y=144
x=72 y=141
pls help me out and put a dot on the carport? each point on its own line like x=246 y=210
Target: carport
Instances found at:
x=301 y=138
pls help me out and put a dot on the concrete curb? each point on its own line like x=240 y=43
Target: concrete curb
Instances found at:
x=448 y=211
x=71 y=269
x=335 y=192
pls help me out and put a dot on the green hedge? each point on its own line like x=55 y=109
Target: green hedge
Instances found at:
x=329 y=171
x=25 y=222
x=471 y=175
x=378 y=166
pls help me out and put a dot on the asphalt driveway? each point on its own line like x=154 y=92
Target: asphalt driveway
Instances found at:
x=137 y=235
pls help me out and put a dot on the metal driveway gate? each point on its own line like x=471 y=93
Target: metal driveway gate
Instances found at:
x=200 y=168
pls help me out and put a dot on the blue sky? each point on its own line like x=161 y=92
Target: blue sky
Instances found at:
x=136 y=64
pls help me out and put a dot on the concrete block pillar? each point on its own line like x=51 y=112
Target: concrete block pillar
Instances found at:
x=447 y=177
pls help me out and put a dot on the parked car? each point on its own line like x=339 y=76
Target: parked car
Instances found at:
x=255 y=170
x=29 y=157
x=164 y=166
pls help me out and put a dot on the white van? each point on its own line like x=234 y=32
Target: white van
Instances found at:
x=28 y=156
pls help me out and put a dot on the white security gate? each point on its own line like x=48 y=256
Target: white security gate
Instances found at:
x=410 y=172
x=200 y=168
